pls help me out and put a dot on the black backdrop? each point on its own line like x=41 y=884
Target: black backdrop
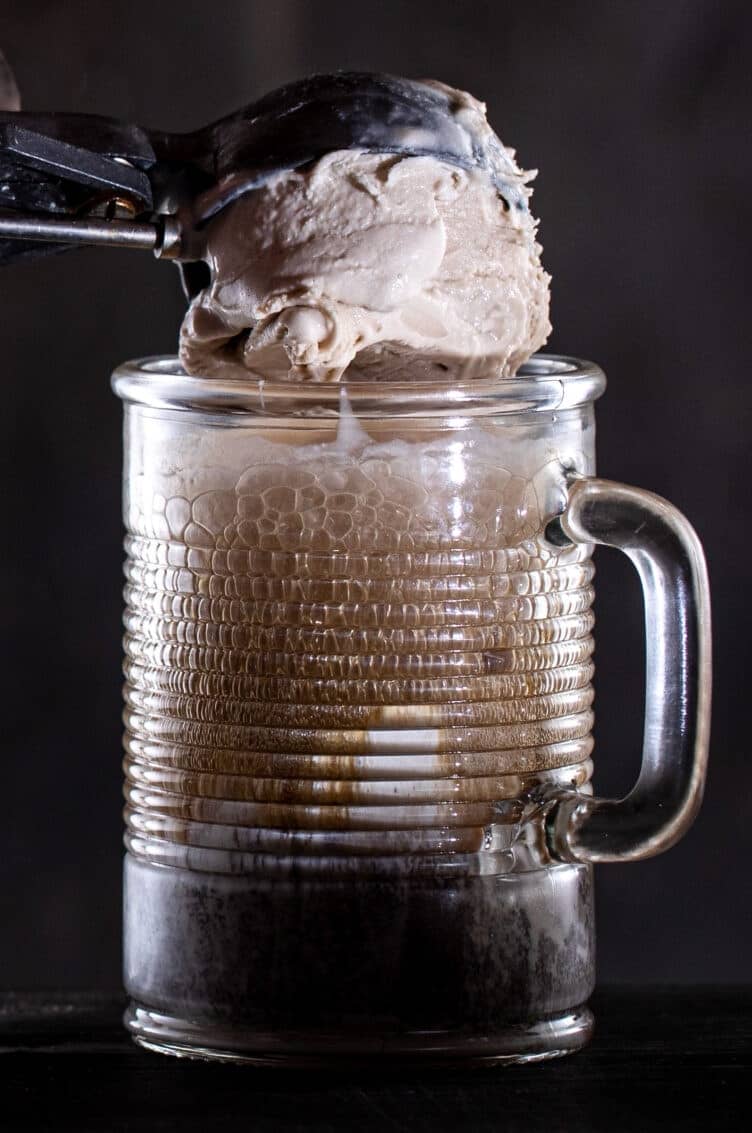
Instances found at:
x=637 y=114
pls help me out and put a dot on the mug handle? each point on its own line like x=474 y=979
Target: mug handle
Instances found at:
x=669 y=559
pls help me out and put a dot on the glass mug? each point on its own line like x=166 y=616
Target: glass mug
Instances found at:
x=358 y=668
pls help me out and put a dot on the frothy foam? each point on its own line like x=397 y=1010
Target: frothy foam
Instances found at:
x=360 y=632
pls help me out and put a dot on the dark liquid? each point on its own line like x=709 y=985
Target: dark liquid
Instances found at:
x=359 y=963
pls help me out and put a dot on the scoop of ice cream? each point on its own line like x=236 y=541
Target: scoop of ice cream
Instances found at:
x=386 y=266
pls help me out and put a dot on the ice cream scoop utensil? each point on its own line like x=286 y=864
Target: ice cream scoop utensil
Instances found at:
x=68 y=168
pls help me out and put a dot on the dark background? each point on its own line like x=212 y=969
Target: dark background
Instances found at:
x=638 y=116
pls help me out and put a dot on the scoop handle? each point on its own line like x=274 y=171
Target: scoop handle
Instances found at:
x=161 y=236
x=669 y=560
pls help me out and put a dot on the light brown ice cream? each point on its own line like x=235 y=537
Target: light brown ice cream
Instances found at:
x=394 y=267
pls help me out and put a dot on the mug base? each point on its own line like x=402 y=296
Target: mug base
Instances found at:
x=530 y=1041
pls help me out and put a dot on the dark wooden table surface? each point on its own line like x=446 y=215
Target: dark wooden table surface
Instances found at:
x=662 y=1058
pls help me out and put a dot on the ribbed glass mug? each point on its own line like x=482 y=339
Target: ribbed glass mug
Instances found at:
x=358 y=712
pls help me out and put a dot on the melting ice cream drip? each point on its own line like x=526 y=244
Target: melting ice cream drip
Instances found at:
x=351 y=435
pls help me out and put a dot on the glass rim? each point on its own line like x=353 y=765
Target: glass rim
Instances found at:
x=546 y=382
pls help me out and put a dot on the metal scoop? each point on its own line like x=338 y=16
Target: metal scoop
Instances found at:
x=70 y=179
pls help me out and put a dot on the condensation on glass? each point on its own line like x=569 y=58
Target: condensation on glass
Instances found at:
x=359 y=710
